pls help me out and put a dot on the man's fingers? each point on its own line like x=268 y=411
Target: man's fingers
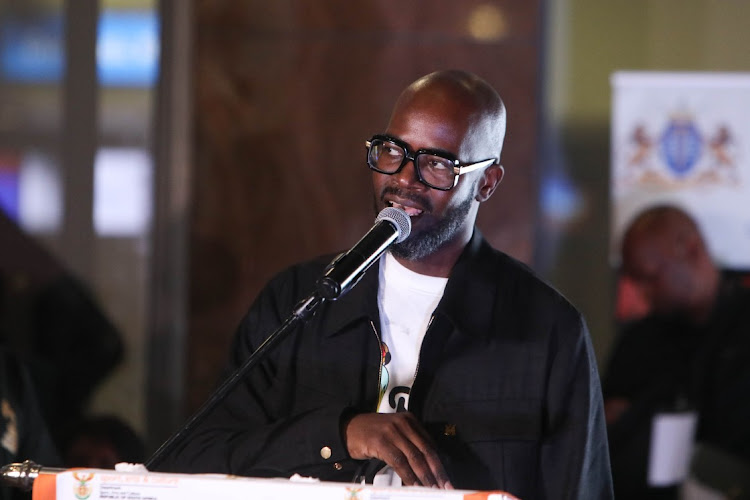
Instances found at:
x=401 y=442
x=423 y=456
x=411 y=464
x=401 y=466
x=426 y=452
x=436 y=468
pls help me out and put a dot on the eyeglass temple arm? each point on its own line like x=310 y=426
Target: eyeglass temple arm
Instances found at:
x=474 y=166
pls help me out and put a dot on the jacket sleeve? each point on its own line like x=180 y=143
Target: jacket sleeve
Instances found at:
x=253 y=431
x=574 y=456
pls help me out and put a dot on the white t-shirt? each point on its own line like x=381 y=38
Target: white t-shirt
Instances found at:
x=406 y=301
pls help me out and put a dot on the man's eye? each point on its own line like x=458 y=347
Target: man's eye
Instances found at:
x=393 y=151
x=438 y=164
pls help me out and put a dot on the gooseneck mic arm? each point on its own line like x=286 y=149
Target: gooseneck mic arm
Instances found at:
x=391 y=225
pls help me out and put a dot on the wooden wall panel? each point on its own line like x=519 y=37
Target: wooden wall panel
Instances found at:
x=286 y=92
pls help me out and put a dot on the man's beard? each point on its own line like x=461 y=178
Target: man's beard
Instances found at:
x=420 y=244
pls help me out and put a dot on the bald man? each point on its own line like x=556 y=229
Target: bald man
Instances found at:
x=689 y=354
x=665 y=255
x=449 y=365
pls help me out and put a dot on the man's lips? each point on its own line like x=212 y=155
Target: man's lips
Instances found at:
x=411 y=211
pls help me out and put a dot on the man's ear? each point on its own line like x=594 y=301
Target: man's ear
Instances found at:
x=489 y=181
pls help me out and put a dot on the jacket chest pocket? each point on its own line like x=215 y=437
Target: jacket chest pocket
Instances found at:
x=497 y=419
x=485 y=444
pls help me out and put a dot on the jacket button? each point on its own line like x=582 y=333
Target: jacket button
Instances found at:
x=338 y=466
x=325 y=452
x=449 y=430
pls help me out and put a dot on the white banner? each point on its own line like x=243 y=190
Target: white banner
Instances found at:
x=684 y=139
x=98 y=484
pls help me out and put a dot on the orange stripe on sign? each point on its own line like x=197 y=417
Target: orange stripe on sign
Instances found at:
x=485 y=495
x=45 y=487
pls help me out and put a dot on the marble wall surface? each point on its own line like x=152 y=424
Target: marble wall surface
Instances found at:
x=285 y=93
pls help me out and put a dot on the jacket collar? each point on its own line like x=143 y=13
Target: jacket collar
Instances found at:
x=466 y=303
x=471 y=290
x=360 y=302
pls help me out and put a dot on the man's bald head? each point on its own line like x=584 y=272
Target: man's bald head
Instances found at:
x=658 y=233
x=663 y=251
x=468 y=99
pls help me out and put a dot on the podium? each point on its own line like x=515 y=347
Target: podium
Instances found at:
x=99 y=484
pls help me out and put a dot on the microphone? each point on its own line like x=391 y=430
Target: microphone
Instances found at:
x=392 y=225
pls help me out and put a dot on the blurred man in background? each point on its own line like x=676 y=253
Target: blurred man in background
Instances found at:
x=690 y=355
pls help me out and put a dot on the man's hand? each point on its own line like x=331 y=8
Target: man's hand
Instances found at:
x=400 y=441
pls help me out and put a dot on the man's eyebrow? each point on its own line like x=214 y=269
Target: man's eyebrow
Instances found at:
x=443 y=152
x=439 y=151
x=396 y=139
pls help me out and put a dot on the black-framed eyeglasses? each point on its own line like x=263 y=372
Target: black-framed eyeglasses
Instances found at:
x=436 y=169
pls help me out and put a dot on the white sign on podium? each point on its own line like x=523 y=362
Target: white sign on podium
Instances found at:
x=98 y=484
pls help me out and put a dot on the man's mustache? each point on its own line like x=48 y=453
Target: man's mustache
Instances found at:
x=420 y=200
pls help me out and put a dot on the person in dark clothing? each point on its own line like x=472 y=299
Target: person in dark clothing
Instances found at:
x=690 y=353
x=449 y=365
x=23 y=431
x=52 y=321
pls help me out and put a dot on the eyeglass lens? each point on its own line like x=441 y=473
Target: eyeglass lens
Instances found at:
x=388 y=157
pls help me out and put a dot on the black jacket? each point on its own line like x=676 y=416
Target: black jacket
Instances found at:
x=507 y=385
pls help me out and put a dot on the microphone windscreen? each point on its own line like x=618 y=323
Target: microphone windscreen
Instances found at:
x=399 y=219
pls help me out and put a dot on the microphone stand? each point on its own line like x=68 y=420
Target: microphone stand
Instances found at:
x=302 y=311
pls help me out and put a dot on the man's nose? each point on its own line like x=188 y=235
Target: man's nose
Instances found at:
x=408 y=173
